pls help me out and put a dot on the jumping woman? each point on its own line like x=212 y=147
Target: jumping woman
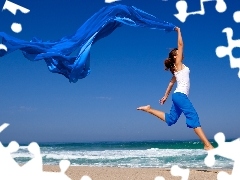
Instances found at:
x=181 y=103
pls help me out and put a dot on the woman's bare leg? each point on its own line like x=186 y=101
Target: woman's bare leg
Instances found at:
x=161 y=115
x=157 y=113
x=201 y=135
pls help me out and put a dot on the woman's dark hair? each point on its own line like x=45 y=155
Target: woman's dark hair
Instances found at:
x=169 y=62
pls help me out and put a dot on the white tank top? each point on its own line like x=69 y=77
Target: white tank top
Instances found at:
x=183 y=80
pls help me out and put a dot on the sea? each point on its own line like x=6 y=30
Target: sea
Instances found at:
x=144 y=154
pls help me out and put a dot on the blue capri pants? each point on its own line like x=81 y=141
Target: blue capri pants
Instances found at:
x=181 y=104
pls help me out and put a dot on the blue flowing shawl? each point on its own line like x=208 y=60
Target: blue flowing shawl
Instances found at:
x=57 y=54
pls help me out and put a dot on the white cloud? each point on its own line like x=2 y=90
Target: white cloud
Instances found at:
x=26 y=109
x=104 y=98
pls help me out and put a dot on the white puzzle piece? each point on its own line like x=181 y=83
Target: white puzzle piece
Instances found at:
x=182 y=7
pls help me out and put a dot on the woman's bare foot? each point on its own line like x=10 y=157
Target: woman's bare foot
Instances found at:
x=144 y=108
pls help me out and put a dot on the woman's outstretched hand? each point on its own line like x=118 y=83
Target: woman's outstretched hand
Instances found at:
x=177 y=29
x=163 y=100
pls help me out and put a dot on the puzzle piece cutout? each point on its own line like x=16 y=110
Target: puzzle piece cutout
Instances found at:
x=5 y=153
x=16 y=27
x=7 y=163
x=236 y=16
x=159 y=178
x=12 y=7
x=3 y=126
x=177 y=171
x=35 y=162
x=222 y=51
x=111 y=1
x=182 y=6
x=229 y=150
x=85 y=178
x=10 y=169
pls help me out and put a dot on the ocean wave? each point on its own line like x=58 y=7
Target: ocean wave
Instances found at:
x=153 y=157
x=163 y=154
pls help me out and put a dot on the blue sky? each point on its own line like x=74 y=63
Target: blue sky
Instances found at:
x=126 y=72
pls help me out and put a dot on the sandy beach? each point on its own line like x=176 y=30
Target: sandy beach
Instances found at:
x=115 y=173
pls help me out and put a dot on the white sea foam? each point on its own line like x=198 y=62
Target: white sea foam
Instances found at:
x=119 y=154
x=153 y=157
x=116 y=154
x=23 y=147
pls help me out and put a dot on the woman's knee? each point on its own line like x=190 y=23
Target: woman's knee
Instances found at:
x=170 y=119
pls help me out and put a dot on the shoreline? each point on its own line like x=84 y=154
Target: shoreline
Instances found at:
x=122 y=173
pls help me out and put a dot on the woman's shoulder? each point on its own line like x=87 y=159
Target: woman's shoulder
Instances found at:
x=185 y=66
